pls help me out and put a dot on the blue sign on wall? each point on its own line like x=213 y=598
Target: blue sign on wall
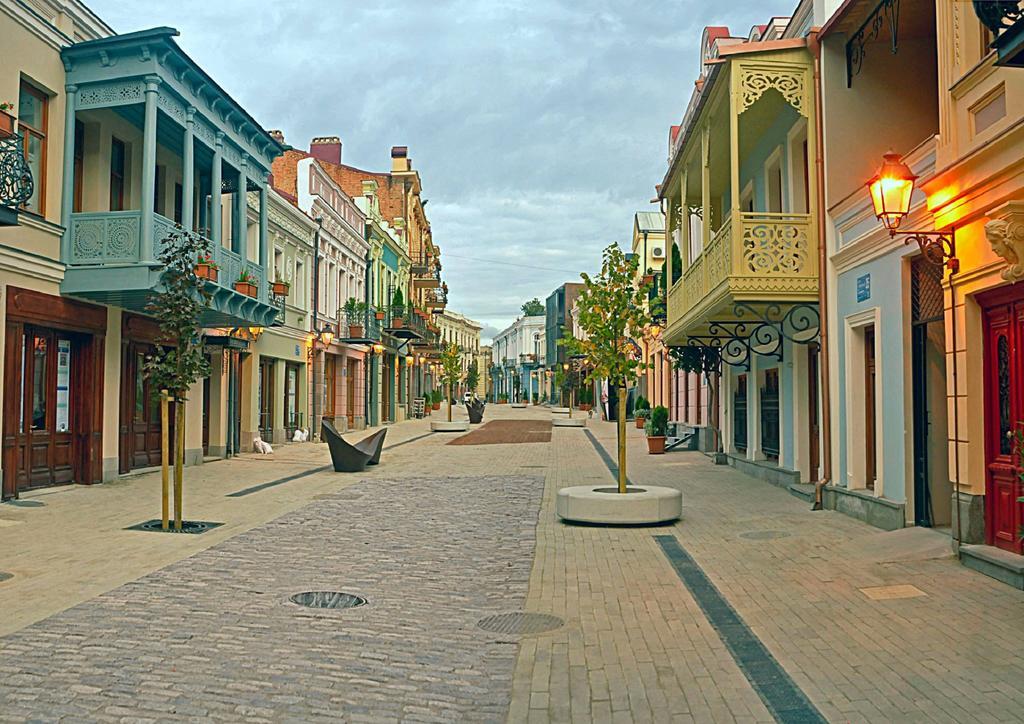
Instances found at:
x=864 y=288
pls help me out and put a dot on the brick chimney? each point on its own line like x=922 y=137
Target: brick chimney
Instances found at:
x=400 y=160
x=326 y=148
x=277 y=135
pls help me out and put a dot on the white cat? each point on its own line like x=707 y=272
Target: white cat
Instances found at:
x=261 y=447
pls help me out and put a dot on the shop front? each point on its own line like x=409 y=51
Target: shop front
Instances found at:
x=53 y=382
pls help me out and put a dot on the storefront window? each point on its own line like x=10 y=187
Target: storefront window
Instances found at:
x=63 y=385
x=39 y=401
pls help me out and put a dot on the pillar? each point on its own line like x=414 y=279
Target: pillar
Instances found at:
x=146 y=253
x=264 y=246
x=68 y=190
x=188 y=171
x=216 y=195
x=240 y=242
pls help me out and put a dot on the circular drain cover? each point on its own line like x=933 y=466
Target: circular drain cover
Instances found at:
x=187 y=526
x=5 y=576
x=764 y=534
x=520 y=623
x=327 y=599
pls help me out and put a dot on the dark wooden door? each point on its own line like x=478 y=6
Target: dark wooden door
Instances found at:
x=266 y=399
x=870 y=426
x=141 y=422
x=206 y=415
x=1004 y=392
x=350 y=393
x=739 y=409
x=813 y=425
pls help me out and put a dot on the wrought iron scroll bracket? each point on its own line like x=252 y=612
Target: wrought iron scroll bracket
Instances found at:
x=885 y=14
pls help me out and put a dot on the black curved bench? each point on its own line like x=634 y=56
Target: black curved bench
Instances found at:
x=349 y=458
x=476 y=411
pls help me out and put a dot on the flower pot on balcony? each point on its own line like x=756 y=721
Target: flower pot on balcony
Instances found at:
x=640 y=423
x=355 y=330
x=7 y=122
x=206 y=271
x=246 y=288
x=279 y=289
x=397 y=322
x=656 y=445
x=379 y=316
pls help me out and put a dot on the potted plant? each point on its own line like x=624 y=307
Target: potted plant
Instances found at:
x=657 y=429
x=279 y=287
x=379 y=314
x=354 y=316
x=641 y=411
x=6 y=119
x=206 y=268
x=435 y=400
x=245 y=284
x=397 y=309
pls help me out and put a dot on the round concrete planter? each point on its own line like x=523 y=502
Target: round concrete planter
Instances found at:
x=444 y=426
x=643 y=504
x=519 y=405
x=568 y=422
x=560 y=410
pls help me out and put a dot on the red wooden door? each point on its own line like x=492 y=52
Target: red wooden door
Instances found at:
x=1004 y=390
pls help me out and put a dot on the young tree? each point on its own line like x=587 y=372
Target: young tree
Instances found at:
x=609 y=305
x=451 y=370
x=179 y=361
x=472 y=376
x=533 y=308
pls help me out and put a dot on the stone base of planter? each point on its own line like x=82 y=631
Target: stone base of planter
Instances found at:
x=444 y=426
x=560 y=410
x=603 y=504
x=518 y=405
x=568 y=422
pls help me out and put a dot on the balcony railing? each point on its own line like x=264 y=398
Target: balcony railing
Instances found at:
x=404 y=323
x=109 y=238
x=360 y=326
x=752 y=257
x=435 y=297
x=16 y=184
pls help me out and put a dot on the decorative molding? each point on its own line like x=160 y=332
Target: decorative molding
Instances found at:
x=788 y=82
x=105 y=95
x=1005 y=233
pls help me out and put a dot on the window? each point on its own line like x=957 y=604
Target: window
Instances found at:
x=178 y=198
x=33 y=107
x=160 y=183
x=118 y=156
x=870 y=420
x=989 y=110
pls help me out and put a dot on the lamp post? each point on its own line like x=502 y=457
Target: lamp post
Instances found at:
x=891 y=191
x=319 y=340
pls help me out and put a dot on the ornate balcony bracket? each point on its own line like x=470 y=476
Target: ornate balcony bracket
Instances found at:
x=759 y=330
x=1005 y=18
x=885 y=14
x=16 y=184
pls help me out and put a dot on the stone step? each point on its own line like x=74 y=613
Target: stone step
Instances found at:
x=994 y=562
x=804 y=491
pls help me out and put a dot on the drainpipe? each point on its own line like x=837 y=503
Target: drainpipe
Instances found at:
x=314 y=432
x=368 y=355
x=823 y=362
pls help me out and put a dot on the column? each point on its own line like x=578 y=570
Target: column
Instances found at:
x=68 y=190
x=188 y=171
x=264 y=246
x=240 y=244
x=705 y=187
x=216 y=195
x=148 y=169
x=684 y=233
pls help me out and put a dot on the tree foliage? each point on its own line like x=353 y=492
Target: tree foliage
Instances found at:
x=179 y=361
x=472 y=375
x=451 y=364
x=610 y=304
x=533 y=308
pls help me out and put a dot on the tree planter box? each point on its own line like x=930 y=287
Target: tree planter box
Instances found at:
x=246 y=288
x=355 y=330
x=205 y=271
x=279 y=289
x=6 y=124
x=656 y=445
x=604 y=505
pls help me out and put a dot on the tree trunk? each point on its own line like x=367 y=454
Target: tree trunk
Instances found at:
x=622 y=438
x=449 y=402
x=179 y=458
x=165 y=455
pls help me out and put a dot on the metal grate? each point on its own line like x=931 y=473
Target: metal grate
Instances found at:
x=520 y=623
x=187 y=526
x=926 y=299
x=327 y=599
x=764 y=534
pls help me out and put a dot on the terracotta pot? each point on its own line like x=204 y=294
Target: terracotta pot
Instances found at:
x=397 y=323
x=656 y=445
x=436 y=406
x=205 y=271
x=379 y=316
x=279 y=289
x=640 y=423
x=355 y=330
x=6 y=124
x=245 y=288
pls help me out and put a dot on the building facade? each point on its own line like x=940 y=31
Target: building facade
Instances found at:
x=518 y=352
x=558 y=316
x=460 y=330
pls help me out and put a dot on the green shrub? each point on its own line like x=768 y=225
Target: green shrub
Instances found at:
x=657 y=425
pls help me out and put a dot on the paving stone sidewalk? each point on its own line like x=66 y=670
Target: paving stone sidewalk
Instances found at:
x=215 y=637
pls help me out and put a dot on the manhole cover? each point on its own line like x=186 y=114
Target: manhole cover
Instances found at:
x=327 y=599
x=26 y=503
x=765 y=534
x=187 y=526
x=520 y=623
x=5 y=576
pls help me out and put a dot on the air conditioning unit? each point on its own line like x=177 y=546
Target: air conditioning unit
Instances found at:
x=657 y=253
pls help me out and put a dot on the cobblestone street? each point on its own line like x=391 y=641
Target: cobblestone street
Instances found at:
x=441 y=536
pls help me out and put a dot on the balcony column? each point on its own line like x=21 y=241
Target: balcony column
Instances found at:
x=240 y=245
x=705 y=187
x=735 y=108
x=68 y=190
x=684 y=231
x=188 y=171
x=264 y=245
x=217 y=193
x=148 y=170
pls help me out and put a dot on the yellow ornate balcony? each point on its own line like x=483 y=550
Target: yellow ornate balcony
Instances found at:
x=752 y=257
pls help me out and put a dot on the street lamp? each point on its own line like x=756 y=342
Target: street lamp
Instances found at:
x=891 y=190
x=326 y=335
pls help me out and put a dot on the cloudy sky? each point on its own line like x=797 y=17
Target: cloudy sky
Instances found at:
x=538 y=126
